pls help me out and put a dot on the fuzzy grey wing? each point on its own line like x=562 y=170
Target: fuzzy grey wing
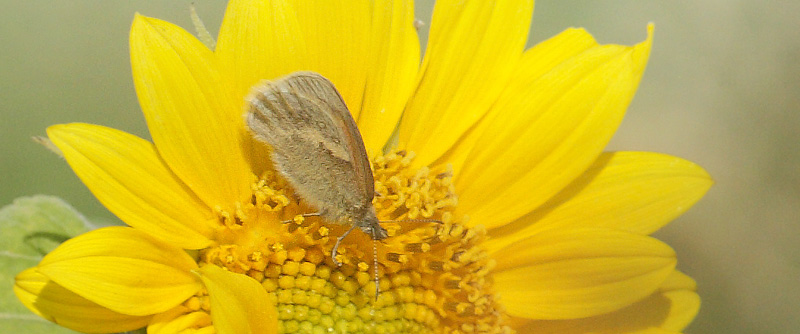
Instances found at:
x=315 y=142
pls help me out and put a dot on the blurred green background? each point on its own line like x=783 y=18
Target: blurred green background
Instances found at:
x=721 y=89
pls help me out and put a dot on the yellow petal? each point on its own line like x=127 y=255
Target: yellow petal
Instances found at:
x=239 y=304
x=684 y=301
x=570 y=274
x=195 y=122
x=632 y=191
x=369 y=50
x=178 y=320
x=679 y=281
x=393 y=62
x=127 y=175
x=472 y=50
x=536 y=62
x=666 y=311
x=260 y=39
x=124 y=270
x=337 y=38
x=547 y=129
x=57 y=304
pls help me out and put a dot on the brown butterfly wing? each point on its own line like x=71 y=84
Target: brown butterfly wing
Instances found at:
x=316 y=143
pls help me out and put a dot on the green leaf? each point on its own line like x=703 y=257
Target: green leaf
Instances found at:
x=30 y=228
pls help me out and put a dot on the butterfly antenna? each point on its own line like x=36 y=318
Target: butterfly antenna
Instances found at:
x=422 y=220
x=375 y=267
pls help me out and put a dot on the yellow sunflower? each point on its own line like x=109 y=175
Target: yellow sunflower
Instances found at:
x=541 y=231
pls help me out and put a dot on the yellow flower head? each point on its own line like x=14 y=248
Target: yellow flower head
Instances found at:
x=538 y=229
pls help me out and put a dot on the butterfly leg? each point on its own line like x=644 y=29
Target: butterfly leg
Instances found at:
x=336 y=246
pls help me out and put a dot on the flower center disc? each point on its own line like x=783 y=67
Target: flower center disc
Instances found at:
x=433 y=277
